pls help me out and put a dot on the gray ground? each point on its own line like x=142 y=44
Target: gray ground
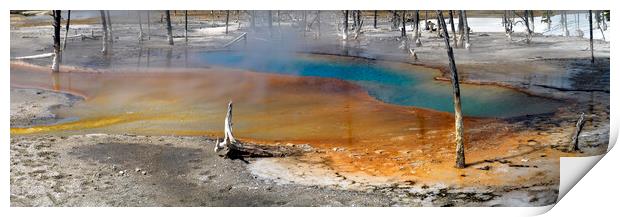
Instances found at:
x=135 y=170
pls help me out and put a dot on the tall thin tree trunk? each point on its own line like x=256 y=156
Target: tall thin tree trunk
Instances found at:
x=345 y=27
x=56 y=14
x=466 y=27
x=548 y=20
x=111 y=38
x=253 y=20
x=227 y=17
x=105 y=40
x=148 y=24
x=452 y=27
x=318 y=20
x=458 y=117
x=169 y=28
x=526 y=20
x=270 y=21
x=375 y=20
x=186 y=26
x=403 y=34
x=64 y=44
x=417 y=24
x=461 y=25
x=141 y=34
x=591 y=37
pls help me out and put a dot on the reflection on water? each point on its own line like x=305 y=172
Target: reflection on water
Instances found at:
x=395 y=84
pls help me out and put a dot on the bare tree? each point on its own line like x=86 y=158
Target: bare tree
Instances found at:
x=458 y=118
x=461 y=30
x=318 y=20
x=526 y=20
x=466 y=26
x=105 y=39
x=56 y=15
x=64 y=44
x=253 y=20
x=403 y=32
x=111 y=38
x=227 y=17
x=591 y=37
x=532 y=19
x=186 y=26
x=141 y=34
x=375 y=20
x=148 y=24
x=345 y=25
x=452 y=27
x=169 y=28
x=270 y=21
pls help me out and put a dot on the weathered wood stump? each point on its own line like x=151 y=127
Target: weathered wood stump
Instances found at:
x=574 y=146
x=234 y=149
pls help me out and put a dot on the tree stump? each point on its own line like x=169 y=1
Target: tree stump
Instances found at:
x=575 y=141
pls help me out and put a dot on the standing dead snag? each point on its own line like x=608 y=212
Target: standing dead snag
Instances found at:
x=186 y=26
x=591 y=38
x=458 y=117
x=64 y=44
x=345 y=27
x=236 y=149
x=452 y=27
x=111 y=38
x=227 y=18
x=575 y=141
x=56 y=23
x=169 y=28
x=228 y=136
x=104 y=40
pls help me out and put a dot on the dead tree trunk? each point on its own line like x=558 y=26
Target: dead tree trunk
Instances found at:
x=591 y=37
x=237 y=149
x=56 y=14
x=345 y=25
x=148 y=25
x=374 y=25
x=104 y=26
x=305 y=22
x=141 y=34
x=111 y=38
x=466 y=26
x=227 y=17
x=186 y=26
x=452 y=26
x=270 y=21
x=403 y=33
x=461 y=36
x=253 y=20
x=318 y=22
x=548 y=20
x=64 y=44
x=169 y=28
x=575 y=140
x=458 y=118
x=526 y=20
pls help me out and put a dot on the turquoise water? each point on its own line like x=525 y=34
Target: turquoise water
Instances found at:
x=394 y=85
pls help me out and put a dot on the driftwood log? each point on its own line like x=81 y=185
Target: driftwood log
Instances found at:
x=574 y=146
x=234 y=149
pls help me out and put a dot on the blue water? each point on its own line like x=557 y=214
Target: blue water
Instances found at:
x=394 y=85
